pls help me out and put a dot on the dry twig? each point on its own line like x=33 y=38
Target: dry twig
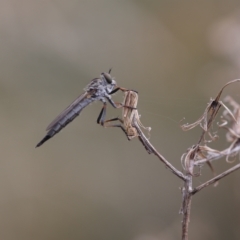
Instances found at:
x=198 y=154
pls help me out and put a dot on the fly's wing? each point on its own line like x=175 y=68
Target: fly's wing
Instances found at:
x=69 y=109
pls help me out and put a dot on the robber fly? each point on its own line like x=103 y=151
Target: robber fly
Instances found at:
x=99 y=89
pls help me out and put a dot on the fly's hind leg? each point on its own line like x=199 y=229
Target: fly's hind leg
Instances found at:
x=105 y=124
x=101 y=119
x=102 y=115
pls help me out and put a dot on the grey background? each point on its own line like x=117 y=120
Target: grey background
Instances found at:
x=89 y=182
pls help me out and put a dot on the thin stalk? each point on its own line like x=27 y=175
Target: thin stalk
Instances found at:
x=186 y=206
x=149 y=146
x=215 y=179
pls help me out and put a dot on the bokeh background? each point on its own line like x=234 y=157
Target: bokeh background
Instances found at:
x=89 y=182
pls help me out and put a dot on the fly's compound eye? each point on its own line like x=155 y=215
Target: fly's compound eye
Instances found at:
x=108 y=77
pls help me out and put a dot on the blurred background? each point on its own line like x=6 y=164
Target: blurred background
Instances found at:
x=89 y=182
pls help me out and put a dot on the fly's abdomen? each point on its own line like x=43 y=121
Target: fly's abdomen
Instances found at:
x=65 y=118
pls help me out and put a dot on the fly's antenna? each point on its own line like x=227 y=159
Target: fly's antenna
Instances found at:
x=110 y=70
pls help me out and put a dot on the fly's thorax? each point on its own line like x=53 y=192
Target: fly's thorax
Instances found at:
x=94 y=84
x=101 y=86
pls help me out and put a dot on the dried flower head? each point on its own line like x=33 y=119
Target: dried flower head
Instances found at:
x=189 y=158
x=210 y=113
x=195 y=155
x=233 y=132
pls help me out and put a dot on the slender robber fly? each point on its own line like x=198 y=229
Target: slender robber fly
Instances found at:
x=99 y=89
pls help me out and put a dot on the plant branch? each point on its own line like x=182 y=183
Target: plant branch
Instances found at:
x=186 y=205
x=149 y=146
x=215 y=179
x=197 y=155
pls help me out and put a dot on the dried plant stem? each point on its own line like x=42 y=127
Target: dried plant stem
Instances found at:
x=148 y=145
x=186 y=205
x=197 y=155
x=186 y=191
x=215 y=179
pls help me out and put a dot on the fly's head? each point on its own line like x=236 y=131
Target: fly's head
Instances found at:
x=109 y=82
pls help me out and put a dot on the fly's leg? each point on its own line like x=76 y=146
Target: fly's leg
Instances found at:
x=112 y=120
x=117 y=104
x=102 y=115
x=122 y=89
x=116 y=125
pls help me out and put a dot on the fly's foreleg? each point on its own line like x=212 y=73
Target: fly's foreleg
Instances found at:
x=117 y=104
x=122 y=89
